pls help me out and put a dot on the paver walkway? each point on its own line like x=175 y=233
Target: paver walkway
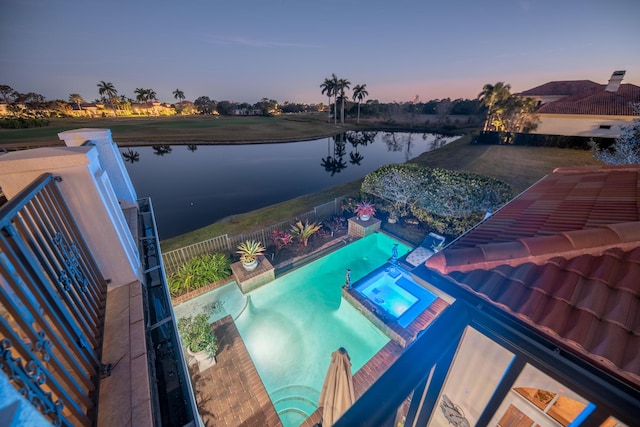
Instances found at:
x=231 y=394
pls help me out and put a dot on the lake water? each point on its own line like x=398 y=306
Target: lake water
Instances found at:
x=195 y=185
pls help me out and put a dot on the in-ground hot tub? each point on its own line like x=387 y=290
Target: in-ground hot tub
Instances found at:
x=394 y=291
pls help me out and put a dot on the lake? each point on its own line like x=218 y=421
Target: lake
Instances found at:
x=192 y=186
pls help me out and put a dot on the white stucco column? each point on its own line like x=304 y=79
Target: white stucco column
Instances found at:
x=110 y=160
x=89 y=194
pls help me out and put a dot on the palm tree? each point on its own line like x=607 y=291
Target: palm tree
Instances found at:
x=76 y=99
x=141 y=94
x=179 y=95
x=359 y=93
x=152 y=95
x=108 y=89
x=492 y=95
x=342 y=85
x=328 y=87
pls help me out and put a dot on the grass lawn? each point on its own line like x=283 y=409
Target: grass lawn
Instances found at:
x=185 y=129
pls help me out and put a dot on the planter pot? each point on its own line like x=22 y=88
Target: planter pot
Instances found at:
x=365 y=217
x=251 y=265
x=392 y=220
x=201 y=358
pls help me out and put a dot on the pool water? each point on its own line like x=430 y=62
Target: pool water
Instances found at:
x=292 y=325
x=395 y=292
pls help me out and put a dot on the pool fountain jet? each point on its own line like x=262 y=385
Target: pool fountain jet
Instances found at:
x=347 y=276
x=394 y=254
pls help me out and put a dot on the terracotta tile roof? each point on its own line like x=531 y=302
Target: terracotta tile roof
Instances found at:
x=565 y=87
x=564 y=257
x=596 y=101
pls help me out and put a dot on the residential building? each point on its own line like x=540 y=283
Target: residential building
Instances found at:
x=543 y=326
x=583 y=107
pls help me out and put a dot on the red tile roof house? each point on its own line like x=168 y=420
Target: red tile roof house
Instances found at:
x=544 y=321
x=583 y=107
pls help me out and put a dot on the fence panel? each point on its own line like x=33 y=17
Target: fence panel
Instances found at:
x=227 y=244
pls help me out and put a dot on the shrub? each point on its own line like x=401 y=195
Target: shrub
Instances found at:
x=199 y=272
x=450 y=202
x=196 y=334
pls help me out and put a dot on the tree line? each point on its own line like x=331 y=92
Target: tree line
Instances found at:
x=504 y=112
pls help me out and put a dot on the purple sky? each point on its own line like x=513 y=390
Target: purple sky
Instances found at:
x=284 y=49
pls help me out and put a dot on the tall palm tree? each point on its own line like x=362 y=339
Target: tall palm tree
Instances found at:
x=342 y=85
x=76 y=99
x=328 y=87
x=492 y=95
x=360 y=93
x=179 y=95
x=335 y=83
x=141 y=94
x=108 y=90
x=152 y=95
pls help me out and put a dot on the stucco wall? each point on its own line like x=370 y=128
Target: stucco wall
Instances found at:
x=581 y=125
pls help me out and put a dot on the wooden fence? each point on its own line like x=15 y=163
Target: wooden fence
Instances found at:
x=227 y=244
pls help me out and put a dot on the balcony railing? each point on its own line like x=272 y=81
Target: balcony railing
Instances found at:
x=52 y=301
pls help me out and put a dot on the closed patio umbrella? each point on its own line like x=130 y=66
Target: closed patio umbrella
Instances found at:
x=337 y=393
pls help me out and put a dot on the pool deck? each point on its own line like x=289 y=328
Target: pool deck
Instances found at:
x=232 y=394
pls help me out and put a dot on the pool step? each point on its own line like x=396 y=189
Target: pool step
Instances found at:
x=295 y=402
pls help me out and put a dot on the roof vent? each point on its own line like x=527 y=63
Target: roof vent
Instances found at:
x=614 y=81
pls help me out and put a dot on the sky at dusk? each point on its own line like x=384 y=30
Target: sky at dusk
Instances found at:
x=284 y=49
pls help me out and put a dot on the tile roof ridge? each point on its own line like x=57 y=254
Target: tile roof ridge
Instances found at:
x=538 y=249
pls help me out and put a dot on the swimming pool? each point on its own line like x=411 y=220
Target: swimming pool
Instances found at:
x=292 y=325
x=395 y=292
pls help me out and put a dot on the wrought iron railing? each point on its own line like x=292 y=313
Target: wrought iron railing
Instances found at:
x=52 y=302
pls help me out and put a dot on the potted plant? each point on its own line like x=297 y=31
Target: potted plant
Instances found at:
x=249 y=251
x=200 y=341
x=365 y=210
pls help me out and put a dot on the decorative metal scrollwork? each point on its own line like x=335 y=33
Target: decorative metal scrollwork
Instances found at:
x=42 y=346
x=70 y=256
x=28 y=379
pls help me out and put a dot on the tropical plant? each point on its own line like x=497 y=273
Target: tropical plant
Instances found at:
x=249 y=250
x=365 y=208
x=304 y=231
x=359 y=93
x=329 y=86
x=490 y=97
x=196 y=334
x=178 y=94
x=342 y=85
x=199 y=272
x=108 y=90
x=281 y=239
x=141 y=94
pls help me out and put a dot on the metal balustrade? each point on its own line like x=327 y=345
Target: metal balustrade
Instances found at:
x=52 y=301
